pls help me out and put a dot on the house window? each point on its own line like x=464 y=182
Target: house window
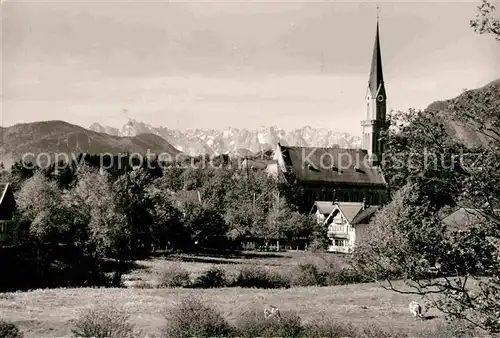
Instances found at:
x=339 y=242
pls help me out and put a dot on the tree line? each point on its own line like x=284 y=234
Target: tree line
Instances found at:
x=127 y=213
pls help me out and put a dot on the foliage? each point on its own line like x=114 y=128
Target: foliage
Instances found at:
x=96 y=218
x=131 y=199
x=214 y=277
x=306 y=275
x=201 y=222
x=485 y=22
x=319 y=328
x=106 y=321
x=40 y=203
x=253 y=324
x=258 y=277
x=9 y=330
x=437 y=161
x=173 y=275
x=191 y=318
x=167 y=227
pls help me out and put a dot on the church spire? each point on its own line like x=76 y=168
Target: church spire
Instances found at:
x=376 y=81
x=375 y=123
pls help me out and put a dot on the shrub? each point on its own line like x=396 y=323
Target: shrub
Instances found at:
x=173 y=275
x=104 y=321
x=214 y=277
x=257 y=277
x=306 y=275
x=192 y=318
x=453 y=329
x=142 y=284
x=9 y=330
x=253 y=324
x=329 y=329
x=344 y=276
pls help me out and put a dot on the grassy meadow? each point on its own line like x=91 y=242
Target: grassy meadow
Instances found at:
x=52 y=312
x=282 y=262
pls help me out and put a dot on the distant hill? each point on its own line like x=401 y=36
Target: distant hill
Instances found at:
x=460 y=130
x=61 y=137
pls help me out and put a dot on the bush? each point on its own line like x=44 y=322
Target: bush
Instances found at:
x=104 y=321
x=9 y=330
x=306 y=275
x=257 y=277
x=192 y=318
x=344 y=276
x=173 y=275
x=214 y=277
x=253 y=324
x=329 y=329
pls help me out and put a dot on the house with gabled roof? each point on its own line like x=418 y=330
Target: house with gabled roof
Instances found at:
x=7 y=208
x=321 y=210
x=269 y=166
x=463 y=219
x=347 y=225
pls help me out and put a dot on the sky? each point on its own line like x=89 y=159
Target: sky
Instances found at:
x=204 y=64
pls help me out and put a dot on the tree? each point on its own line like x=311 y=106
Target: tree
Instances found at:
x=408 y=237
x=166 y=218
x=201 y=222
x=277 y=220
x=98 y=225
x=485 y=23
x=40 y=203
x=131 y=199
x=40 y=206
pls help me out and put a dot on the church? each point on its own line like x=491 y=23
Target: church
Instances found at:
x=346 y=175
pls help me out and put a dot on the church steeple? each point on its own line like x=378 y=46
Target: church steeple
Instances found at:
x=376 y=81
x=375 y=122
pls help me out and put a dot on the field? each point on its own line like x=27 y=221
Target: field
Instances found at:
x=196 y=264
x=50 y=312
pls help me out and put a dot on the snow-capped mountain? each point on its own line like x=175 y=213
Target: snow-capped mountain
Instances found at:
x=232 y=140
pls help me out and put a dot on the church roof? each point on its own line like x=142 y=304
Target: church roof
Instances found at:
x=376 y=80
x=332 y=165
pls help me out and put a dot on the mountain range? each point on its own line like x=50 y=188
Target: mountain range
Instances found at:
x=54 y=137
x=234 y=141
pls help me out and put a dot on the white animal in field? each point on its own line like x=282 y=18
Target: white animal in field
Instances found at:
x=416 y=309
x=271 y=311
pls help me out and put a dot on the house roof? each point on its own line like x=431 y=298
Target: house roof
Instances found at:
x=5 y=189
x=258 y=163
x=7 y=202
x=333 y=165
x=355 y=212
x=463 y=218
x=324 y=207
x=350 y=209
x=365 y=216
